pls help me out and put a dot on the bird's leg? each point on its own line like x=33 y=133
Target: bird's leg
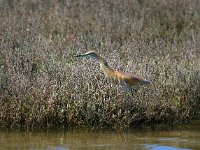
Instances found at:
x=119 y=89
x=124 y=86
x=119 y=93
x=134 y=89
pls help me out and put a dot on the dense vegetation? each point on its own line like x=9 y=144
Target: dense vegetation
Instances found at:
x=43 y=86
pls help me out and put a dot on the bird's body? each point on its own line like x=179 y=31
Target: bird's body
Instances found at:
x=126 y=80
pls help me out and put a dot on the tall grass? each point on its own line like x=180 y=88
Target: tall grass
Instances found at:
x=43 y=86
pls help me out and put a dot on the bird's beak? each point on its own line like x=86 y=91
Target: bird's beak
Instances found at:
x=77 y=55
x=87 y=56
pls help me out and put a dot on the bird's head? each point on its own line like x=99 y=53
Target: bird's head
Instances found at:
x=90 y=54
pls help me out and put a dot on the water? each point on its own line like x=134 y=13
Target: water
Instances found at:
x=100 y=140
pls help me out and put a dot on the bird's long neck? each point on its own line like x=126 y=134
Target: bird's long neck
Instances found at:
x=105 y=67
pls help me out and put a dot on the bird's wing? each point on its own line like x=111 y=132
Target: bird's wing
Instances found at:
x=129 y=79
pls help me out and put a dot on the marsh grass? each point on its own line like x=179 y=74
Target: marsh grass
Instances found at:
x=43 y=86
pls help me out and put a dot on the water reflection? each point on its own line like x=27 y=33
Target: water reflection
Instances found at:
x=57 y=148
x=160 y=147
x=99 y=140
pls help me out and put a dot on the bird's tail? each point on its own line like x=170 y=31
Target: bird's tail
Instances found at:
x=147 y=82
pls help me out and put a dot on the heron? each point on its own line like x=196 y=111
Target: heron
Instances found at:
x=124 y=79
